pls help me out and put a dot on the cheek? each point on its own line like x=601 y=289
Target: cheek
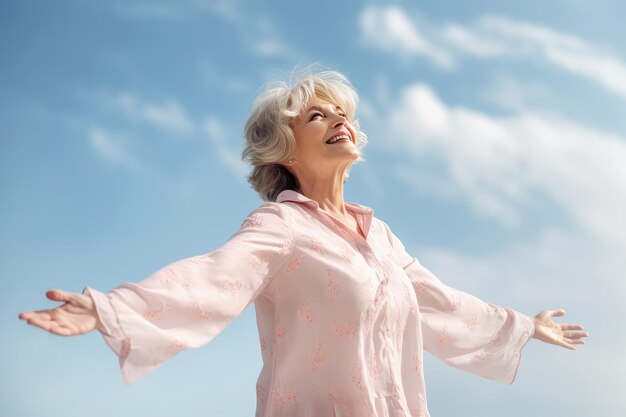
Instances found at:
x=353 y=133
x=305 y=140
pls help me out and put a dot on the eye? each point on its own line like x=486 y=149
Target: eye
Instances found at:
x=316 y=114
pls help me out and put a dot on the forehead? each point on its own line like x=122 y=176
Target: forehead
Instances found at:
x=321 y=103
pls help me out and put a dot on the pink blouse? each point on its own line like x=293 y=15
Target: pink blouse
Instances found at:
x=342 y=320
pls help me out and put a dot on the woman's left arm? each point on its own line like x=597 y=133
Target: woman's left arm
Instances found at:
x=473 y=335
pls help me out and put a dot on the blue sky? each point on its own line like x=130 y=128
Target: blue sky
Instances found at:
x=497 y=153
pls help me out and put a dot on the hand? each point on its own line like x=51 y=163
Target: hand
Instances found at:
x=564 y=335
x=77 y=316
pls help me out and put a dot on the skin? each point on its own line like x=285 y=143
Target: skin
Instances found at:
x=320 y=169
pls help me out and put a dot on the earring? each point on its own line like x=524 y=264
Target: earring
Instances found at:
x=292 y=161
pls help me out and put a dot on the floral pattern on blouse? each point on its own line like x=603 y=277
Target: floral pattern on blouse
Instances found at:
x=343 y=321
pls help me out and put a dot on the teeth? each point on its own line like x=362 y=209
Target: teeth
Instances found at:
x=336 y=138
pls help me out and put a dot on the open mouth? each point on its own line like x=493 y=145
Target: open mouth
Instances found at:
x=339 y=138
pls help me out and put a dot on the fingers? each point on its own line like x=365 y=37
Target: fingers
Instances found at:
x=45 y=321
x=59 y=295
x=24 y=315
x=571 y=326
x=565 y=342
x=576 y=335
x=54 y=295
x=546 y=314
x=41 y=315
x=558 y=312
x=574 y=338
x=42 y=321
x=59 y=329
x=571 y=338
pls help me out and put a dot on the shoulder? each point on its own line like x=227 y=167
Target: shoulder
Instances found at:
x=381 y=227
x=270 y=208
x=269 y=213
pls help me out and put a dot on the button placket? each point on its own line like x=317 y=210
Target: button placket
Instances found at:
x=361 y=244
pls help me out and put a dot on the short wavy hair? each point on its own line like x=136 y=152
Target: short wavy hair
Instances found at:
x=269 y=138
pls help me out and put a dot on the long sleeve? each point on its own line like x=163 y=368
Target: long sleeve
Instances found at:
x=189 y=302
x=462 y=330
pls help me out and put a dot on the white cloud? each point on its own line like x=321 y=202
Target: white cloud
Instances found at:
x=472 y=43
x=230 y=155
x=228 y=9
x=151 y=10
x=212 y=78
x=498 y=36
x=111 y=147
x=168 y=114
x=500 y=164
x=180 y=9
x=390 y=29
x=551 y=266
x=512 y=94
x=490 y=37
x=257 y=32
x=263 y=37
x=270 y=47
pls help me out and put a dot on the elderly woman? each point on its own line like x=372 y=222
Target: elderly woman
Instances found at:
x=344 y=312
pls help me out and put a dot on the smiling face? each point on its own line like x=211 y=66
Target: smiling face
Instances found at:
x=315 y=156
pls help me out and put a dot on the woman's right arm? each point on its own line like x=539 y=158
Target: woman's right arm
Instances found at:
x=183 y=305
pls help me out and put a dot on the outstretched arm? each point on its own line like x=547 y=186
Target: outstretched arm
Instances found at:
x=471 y=334
x=183 y=305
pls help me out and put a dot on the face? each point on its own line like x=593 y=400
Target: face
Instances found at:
x=314 y=156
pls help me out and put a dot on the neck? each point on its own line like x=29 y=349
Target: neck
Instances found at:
x=327 y=192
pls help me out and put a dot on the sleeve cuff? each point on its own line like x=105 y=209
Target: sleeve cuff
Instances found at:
x=527 y=329
x=105 y=312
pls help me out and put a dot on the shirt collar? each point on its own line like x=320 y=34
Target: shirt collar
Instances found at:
x=363 y=213
x=291 y=195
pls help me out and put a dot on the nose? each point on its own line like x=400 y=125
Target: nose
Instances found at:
x=341 y=121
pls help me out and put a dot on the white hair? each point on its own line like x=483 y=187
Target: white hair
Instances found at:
x=270 y=140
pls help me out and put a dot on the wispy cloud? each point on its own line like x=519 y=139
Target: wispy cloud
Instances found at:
x=263 y=37
x=498 y=36
x=392 y=30
x=213 y=78
x=180 y=9
x=168 y=114
x=112 y=147
x=151 y=10
x=270 y=47
x=472 y=43
x=258 y=32
x=499 y=164
x=509 y=93
x=230 y=155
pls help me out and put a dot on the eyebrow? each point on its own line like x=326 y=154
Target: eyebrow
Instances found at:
x=321 y=109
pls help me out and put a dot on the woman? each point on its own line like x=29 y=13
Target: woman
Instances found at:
x=343 y=311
